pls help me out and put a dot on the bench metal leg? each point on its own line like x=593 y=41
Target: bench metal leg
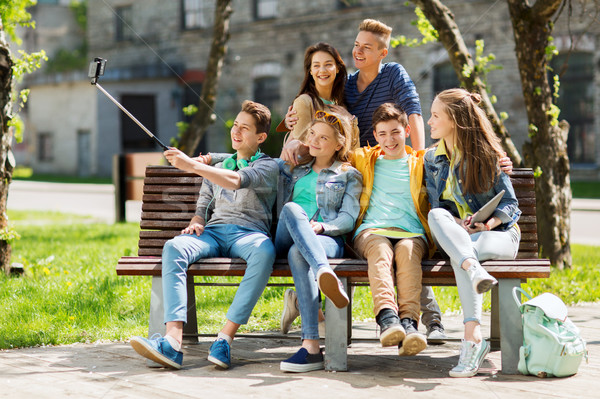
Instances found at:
x=511 y=329
x=349 y=315
x=157 y=311
x=336 y=335
x=190 y=329
x=495 y=320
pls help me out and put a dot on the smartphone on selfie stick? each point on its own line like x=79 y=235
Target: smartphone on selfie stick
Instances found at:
x=96 y=70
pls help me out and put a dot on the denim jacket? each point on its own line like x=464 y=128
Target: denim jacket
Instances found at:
x=338 y=192
x=436 y=174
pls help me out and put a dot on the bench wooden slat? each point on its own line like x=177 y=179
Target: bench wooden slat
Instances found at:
x=170 y=198
x=164 y=170
x=164 y=224
x=149 y=189
x=174 y=180
x=173 y=215
x=169 y=207
x=151 y=266
x=157 y=251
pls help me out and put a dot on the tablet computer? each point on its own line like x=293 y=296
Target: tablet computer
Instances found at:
x=486 y=211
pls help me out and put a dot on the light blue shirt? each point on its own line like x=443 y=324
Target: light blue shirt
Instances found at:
x=391 y=203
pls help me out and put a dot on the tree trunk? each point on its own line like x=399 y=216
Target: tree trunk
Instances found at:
x=204 y=117
x=548 y=146
x=442 y=19
x=6 y=157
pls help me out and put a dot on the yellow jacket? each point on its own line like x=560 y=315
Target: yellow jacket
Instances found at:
x=364 y=159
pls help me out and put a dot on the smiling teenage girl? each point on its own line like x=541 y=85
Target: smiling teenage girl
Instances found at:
x=322 y=88
x=462 y=173
x=323 y=205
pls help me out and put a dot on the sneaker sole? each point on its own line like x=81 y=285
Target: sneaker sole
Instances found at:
x=301 y=368
x=412 y=345
x=286 y=323
x=149 y=353
x=329 y=286
x=485 y=285
x=216 y=361
x=392 y=336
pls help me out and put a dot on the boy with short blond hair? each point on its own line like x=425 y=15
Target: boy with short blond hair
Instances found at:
x=379 y=29
x=376 y=83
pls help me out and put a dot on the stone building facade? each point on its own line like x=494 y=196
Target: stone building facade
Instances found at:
x=157 y=51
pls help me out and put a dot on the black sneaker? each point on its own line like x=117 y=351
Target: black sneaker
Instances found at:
x=414 y=342
x=392 y=331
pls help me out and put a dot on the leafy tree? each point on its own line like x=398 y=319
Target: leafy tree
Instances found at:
x=204 y=116
x=12 y=14
x=546 y=152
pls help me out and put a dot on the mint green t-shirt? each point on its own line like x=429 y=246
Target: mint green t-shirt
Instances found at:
x=305 y=195
x=391 y=203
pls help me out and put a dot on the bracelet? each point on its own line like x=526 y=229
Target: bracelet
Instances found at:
x=487 y=227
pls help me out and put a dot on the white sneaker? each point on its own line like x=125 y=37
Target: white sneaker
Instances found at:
x=290 y=310
x=471 y=358
x=481 y=279
x=332 y=287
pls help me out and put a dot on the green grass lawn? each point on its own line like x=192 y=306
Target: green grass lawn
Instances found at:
x=585 y=189
x=71 y=293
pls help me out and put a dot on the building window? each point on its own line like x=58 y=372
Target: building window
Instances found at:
x=44 y=147
x=444 y=77
x=343 y=4
x=133 y=138
x=124 y=30
x=266 y=91
x=198 y=14
x=265 y=9
x=576 y=103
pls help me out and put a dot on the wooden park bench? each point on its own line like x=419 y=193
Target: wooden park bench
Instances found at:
x=169 y=202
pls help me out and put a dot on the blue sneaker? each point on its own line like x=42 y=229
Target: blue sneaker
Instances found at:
x=220 y=353
x=158 y=350
x=302 y=361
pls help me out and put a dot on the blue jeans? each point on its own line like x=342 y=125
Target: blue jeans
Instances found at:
x=227 y=240
x=306 y=252
x=459 y=245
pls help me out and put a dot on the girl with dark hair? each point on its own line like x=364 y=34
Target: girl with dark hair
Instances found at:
x=325 y=76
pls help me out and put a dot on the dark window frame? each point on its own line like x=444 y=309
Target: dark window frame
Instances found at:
x=576 y=101
x=123 y=23
x=205 y=9
x=45 y=150
x=267 y=90
x=444 y=77
x=348 y=4
x=256 y=10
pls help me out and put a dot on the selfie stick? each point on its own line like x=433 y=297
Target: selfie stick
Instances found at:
x=97 y=69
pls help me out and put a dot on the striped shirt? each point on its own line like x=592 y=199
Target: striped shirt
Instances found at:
x=392 y=84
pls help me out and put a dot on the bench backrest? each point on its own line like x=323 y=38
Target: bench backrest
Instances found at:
x=169 y=203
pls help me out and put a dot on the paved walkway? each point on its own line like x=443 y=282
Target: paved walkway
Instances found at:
x=114 y=370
